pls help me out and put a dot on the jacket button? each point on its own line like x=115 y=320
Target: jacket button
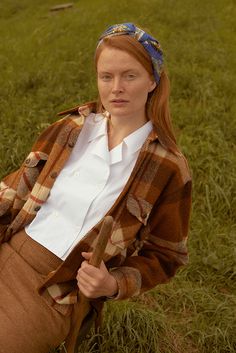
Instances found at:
x=53 y=175
x=37 y=208
x=71 y=144
x=144 y=215
x=9 y=231
x=27 y=161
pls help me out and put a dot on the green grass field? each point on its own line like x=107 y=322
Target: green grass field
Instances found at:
x=46 y=63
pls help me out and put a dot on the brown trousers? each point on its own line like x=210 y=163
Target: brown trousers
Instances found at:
x=28 y=322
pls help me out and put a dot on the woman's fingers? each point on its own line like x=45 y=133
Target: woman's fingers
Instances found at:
x=86 y=255
x=95 y=282
x=91 y=275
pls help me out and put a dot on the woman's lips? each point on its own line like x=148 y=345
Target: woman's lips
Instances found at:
x=119 y=101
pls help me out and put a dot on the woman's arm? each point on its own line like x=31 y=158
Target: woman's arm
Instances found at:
x=164 y=247
x=162 y=253
x=15 y=187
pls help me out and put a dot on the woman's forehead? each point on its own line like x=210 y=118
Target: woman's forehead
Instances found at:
x=112 y=58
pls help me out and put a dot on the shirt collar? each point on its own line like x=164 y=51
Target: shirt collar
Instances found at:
x=99 y=123
x=135 y=140
x=131 y=143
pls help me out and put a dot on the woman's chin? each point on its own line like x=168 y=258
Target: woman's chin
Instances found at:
x=119 y=111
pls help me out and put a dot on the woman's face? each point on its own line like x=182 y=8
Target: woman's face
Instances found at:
x=123 y=84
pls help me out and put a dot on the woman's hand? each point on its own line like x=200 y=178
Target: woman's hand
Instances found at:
x=95 y=282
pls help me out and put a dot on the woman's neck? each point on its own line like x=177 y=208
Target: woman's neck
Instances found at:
x=119 y=128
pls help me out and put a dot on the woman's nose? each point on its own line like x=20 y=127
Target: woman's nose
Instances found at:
x=117 y=85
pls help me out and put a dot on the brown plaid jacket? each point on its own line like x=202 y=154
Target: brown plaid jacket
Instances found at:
x=151 y=215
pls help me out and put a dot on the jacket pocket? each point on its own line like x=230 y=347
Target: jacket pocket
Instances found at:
x=139 y=208
x=134 y=216
x=32 y=167
x=34 y=158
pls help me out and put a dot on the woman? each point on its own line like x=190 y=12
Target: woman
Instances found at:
x=115 y=157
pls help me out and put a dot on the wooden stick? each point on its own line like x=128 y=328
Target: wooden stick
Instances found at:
x=103 y=237
x=82 y=309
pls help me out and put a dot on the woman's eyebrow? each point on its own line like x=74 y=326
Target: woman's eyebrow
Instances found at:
x=103 y=72
x=129 y=70
x=123 y=72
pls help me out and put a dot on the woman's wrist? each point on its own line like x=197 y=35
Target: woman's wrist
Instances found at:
x=113 y=290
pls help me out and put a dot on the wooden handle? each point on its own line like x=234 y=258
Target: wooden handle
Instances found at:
x=103 y=237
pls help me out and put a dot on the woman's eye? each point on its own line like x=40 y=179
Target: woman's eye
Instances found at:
x=106 y=77
x=130 y=76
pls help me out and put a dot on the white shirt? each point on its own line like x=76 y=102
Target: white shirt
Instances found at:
x=86 y=188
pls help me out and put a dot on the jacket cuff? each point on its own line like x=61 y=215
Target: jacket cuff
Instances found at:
x=128 y=280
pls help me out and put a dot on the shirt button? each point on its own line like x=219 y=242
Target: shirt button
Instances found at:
x=37 y=208
x=53 y=175
x=27 y=161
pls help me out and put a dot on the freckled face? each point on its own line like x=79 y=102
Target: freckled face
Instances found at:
x=123 y=84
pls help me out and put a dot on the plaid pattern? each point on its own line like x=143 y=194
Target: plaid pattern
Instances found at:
x=151 y=215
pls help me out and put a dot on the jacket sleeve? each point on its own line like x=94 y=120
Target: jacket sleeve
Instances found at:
x=15 y=186
x=164 y=245
x=8 y=187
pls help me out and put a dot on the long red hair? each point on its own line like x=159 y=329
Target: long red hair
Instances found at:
x=157 y=106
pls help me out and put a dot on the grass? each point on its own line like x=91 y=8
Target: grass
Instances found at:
x=46 y=66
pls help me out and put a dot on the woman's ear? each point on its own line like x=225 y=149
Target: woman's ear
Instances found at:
x=153 y=85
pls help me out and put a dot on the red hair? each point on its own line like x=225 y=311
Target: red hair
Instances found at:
x=157 y=106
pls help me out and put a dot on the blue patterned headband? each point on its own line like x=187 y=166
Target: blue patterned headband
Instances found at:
x=150 y=44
